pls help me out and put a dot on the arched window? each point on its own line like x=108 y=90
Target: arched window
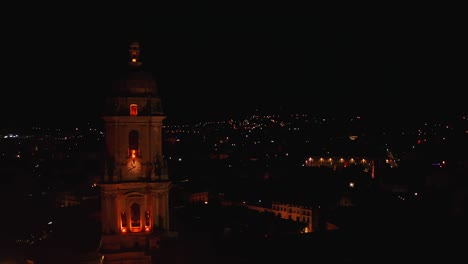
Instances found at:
x=133 y=110
x=133 y=144
x=135 y=218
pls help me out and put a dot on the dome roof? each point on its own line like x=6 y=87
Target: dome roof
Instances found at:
x=137 y=83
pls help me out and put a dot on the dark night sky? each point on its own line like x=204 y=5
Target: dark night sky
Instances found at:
x=383 y=62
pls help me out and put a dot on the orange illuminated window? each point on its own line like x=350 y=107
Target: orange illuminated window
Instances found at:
x=133 y=110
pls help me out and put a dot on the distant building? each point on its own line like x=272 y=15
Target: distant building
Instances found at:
x=67 y=199
x=199 y=197
x=342 y=162
x=293 y=212
x=296 y=213
x=205 y=197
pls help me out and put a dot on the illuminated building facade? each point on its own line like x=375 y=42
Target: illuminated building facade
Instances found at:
x=342 y=162
x=199 y=197
x=135 y=186
x=296 y=213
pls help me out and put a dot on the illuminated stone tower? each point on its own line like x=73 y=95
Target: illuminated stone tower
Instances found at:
x=135 y=186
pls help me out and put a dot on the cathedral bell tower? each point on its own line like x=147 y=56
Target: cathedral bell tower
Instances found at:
x=135 y=186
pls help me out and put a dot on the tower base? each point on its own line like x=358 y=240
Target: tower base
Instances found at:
x=127 y=258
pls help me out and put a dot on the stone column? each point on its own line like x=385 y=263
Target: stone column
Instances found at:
x=166 y=210
x=104 y=213
x=113 y=223
x=156 y=209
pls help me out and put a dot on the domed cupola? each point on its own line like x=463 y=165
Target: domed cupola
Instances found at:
x=135 y=83
x=135 y=86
